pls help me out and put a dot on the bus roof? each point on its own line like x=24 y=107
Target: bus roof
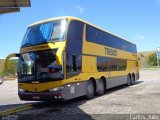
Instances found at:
x=74 y=18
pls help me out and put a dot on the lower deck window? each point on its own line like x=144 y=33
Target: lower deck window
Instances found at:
x=111 y=64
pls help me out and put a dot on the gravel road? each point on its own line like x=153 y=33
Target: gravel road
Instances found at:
x=142 y=99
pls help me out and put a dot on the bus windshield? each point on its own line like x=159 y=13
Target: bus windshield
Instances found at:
x=46 y=32
x=39 y=66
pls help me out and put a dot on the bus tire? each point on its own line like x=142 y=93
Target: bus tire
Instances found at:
x=128 y=80
x=132 y=79
x=101 y=87
x=90 y=90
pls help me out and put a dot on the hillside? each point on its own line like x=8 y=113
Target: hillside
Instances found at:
x=142 y=58
x=144 y=54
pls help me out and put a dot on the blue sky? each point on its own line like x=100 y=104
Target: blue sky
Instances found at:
x=135 y=20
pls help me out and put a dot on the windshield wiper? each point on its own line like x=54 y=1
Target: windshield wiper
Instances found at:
x=26 y=79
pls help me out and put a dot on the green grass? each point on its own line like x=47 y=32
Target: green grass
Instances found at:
x=1 y=66
x=150 y=68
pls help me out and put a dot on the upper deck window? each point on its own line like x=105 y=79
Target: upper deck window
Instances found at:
x=45 y=32
x=104 y=38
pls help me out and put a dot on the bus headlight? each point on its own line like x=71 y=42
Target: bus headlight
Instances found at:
x=21 y=90
x=56 y=89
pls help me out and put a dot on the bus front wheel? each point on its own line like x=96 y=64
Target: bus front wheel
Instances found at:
x=90 y=90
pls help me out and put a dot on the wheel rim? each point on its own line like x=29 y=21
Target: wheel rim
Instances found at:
x=101 y=86
x=132 y=80
x=90 y=89
x=129 y=81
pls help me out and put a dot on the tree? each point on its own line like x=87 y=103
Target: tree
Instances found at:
x=12 y=68
x=1 y=66
x=152 y=59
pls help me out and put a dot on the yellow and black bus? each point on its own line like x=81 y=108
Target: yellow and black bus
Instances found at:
x=66 y=57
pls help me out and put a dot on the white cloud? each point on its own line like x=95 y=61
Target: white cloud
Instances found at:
x=139 y=37
x=80 y=9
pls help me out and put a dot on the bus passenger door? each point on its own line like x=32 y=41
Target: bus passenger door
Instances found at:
x=74 y=48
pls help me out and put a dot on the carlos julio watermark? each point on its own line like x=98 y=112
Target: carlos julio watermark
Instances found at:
x=128 y=116
x=144 y=116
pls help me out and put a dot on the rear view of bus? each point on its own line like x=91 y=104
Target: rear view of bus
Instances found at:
x=57 y=62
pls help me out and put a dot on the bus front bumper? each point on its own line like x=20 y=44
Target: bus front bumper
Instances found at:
x=43 y=96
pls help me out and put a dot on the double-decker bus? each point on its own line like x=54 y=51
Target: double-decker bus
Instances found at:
x=66 y=57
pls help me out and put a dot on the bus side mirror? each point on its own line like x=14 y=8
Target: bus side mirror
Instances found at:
x=17 y=55
x=8 y=58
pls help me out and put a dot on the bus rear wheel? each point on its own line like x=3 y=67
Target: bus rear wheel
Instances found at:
x=101 y=87
x=128 y=80
x=132 y=79
x=90 y=90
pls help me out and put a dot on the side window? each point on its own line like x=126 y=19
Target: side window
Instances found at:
x=104 y=38
x=111 y=64
x=92 y=34
x=74 y=63
x=75 y=31
x=74 y=48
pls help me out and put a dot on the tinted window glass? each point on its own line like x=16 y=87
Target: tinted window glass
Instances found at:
x=45 y=32
x=39 y=66
x=74 y=63
x=100 y=37
x=75 y=31
x=74 y=37
x=111 y=64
